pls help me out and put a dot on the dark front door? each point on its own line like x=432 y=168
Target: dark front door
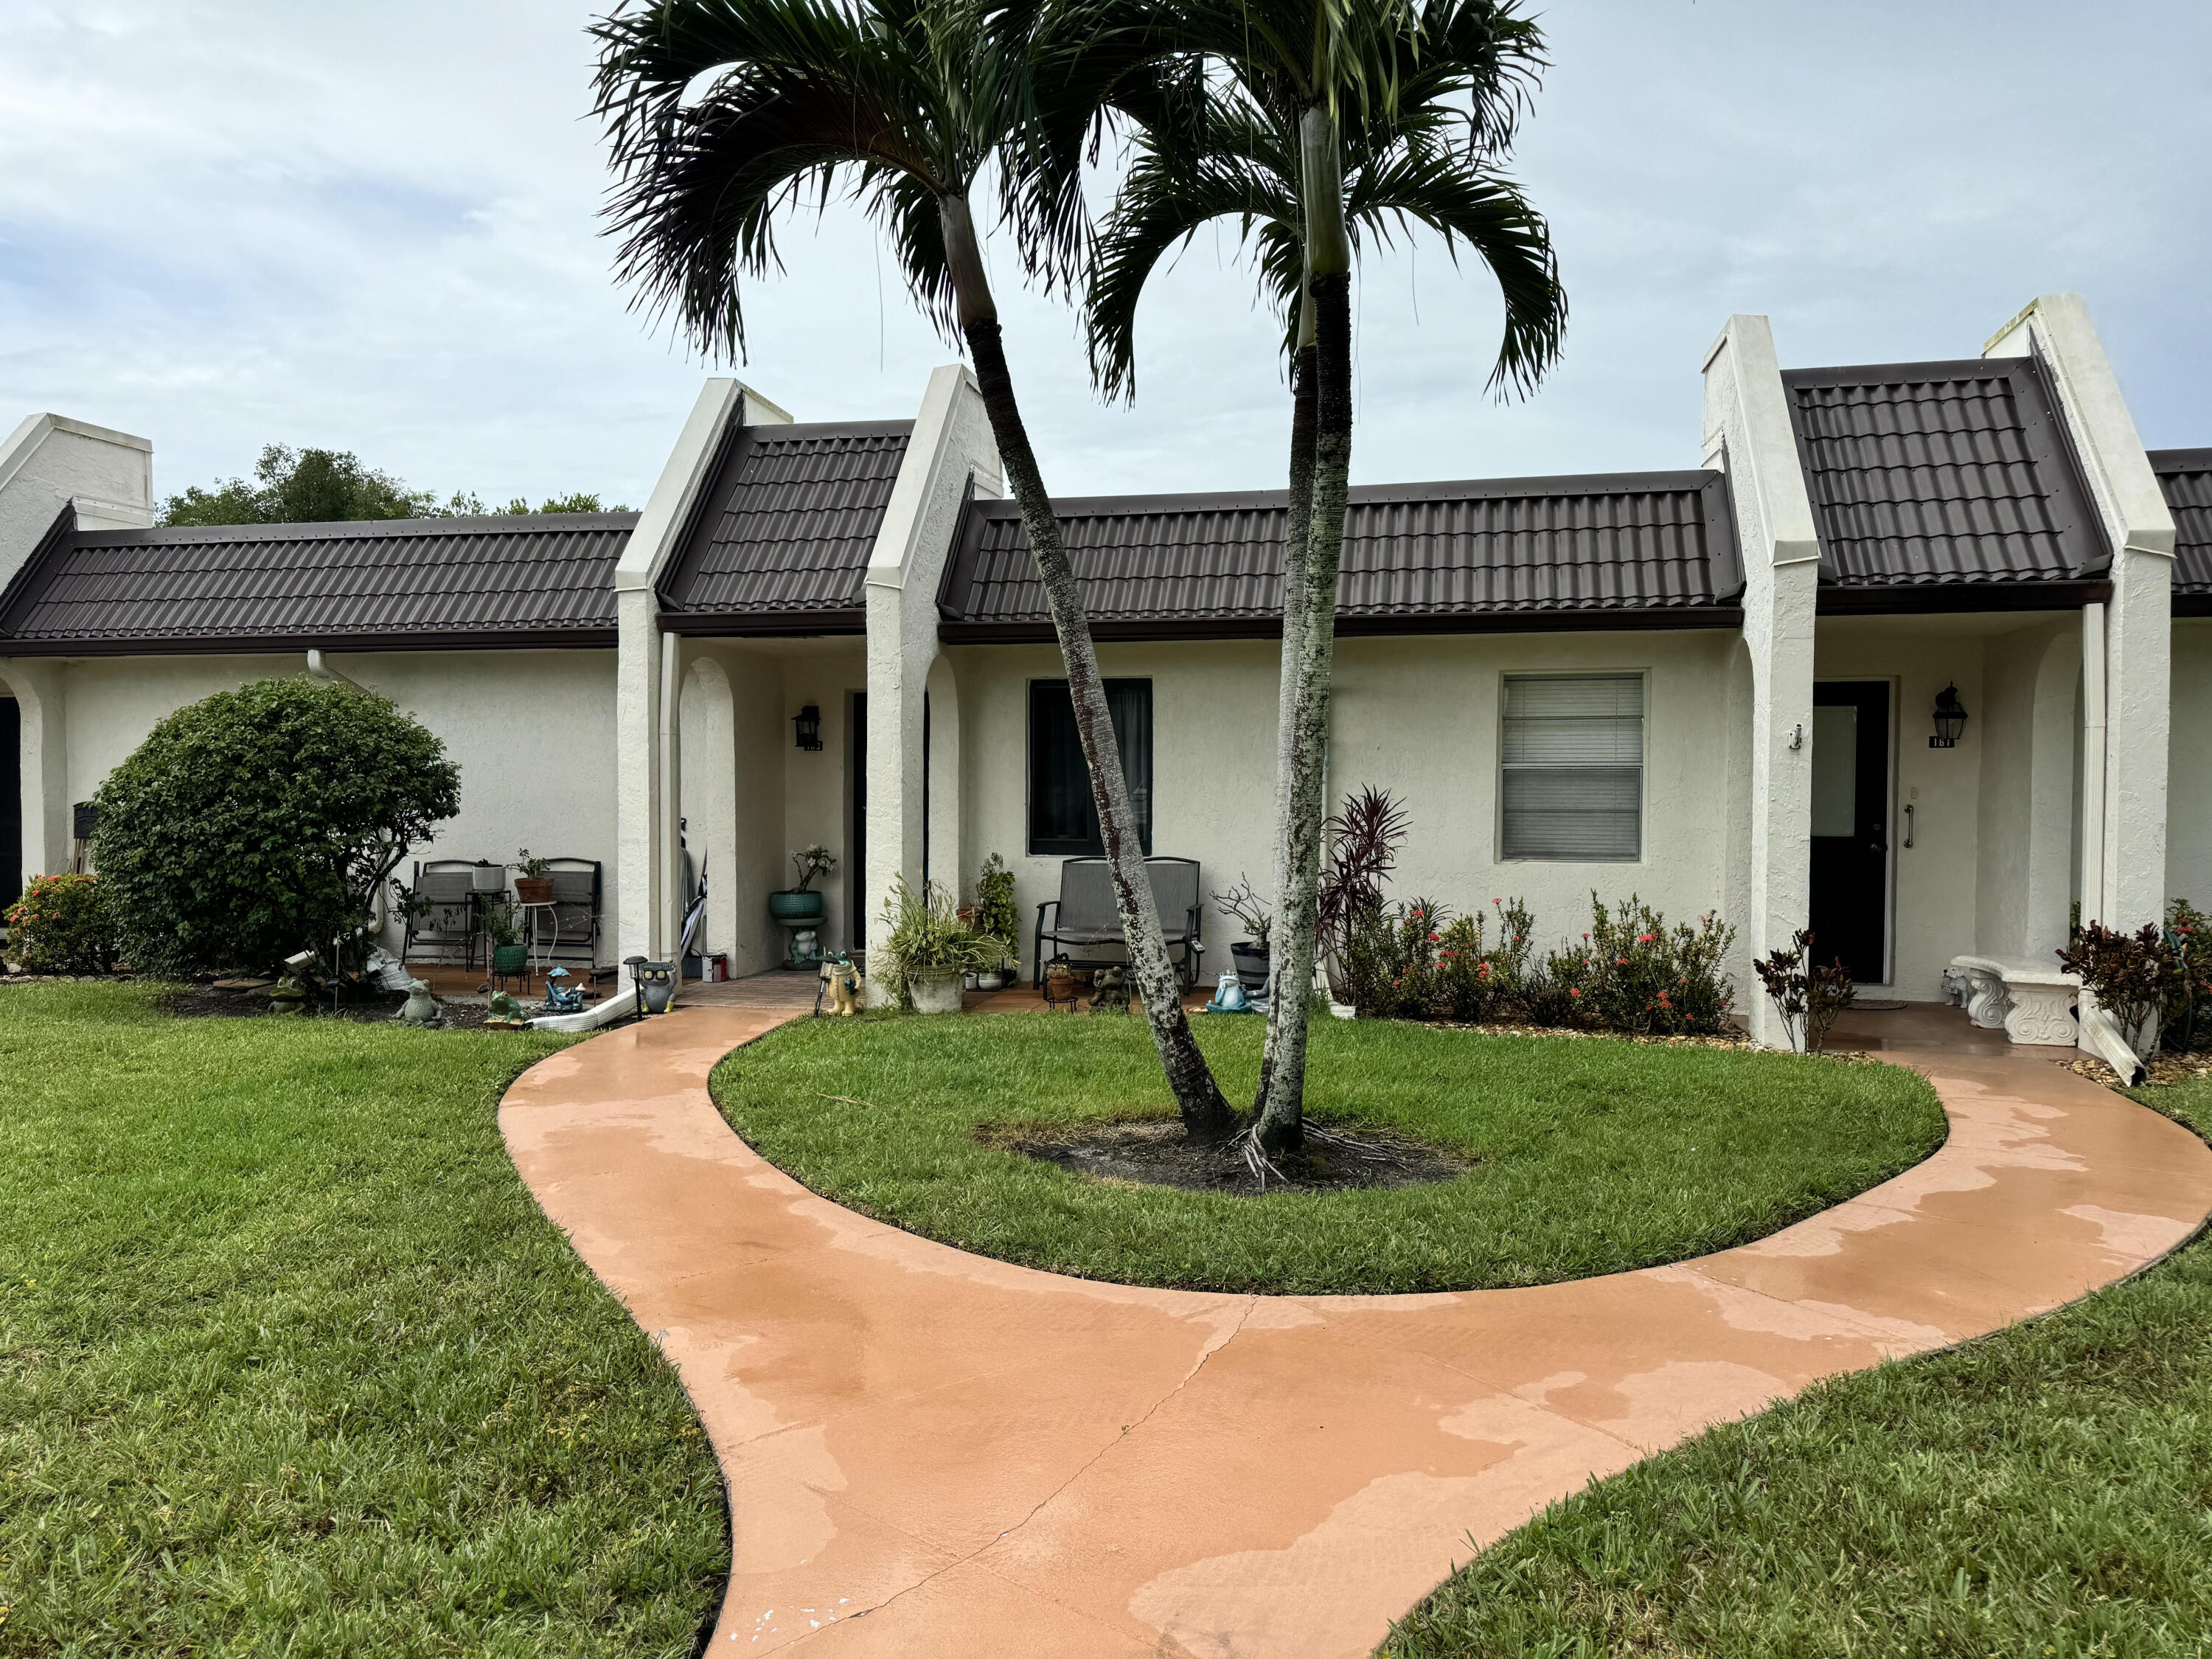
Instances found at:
x=1851 y=826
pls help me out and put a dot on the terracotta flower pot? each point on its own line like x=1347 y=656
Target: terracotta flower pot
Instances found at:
x=534 y=890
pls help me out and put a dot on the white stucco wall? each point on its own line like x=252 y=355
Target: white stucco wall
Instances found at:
x=2189 y=840
x=531 y=731
x=1417 y=716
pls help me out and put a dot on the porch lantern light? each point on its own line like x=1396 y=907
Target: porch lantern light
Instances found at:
x=1950 y=719
x=808 y=720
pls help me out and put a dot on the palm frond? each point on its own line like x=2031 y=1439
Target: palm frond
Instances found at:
x=1480 y=213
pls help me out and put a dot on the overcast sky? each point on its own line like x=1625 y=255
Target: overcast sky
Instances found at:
x=225 y=223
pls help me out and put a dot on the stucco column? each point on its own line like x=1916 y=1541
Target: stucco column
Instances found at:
x=2138 y=623
x=949 y=457
x=1748 y=436
x=897 y=674
x=43 y=753
x=638 y=831
x=647 y=732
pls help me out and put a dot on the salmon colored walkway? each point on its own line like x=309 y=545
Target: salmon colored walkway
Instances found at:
x=930 y=1454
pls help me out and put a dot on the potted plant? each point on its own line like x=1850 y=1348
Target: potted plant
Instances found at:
x=509 y=955
x=533 y=877
x=1241 y=904
x=995 y=915
x=802 y=903
x=486 y=877
x=930 y=949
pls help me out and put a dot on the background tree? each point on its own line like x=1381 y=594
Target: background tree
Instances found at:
x=1317 y=127
x=260 y=822
x=324 y=486
x=724 y=114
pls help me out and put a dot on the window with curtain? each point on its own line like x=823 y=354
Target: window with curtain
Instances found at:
x=1571 y=783
x=1063 y=820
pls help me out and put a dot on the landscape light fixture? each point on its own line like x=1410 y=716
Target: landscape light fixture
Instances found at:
x=1950 y=719
x=808 y=720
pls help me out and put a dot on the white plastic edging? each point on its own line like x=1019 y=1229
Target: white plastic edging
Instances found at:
x=618 y=1003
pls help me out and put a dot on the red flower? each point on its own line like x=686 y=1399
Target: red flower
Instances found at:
x=1432 y=939
x=1645 y=938
x=1620 y=961
x=1574 y=994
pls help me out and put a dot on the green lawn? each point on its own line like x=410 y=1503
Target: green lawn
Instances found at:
x=2046 y=1491
x=1593 y=1155
x=291 y=1364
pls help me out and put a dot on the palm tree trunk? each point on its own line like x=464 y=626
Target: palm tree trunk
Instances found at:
x=1206 y=1114
x=1295 y=598
x=1280 y=1126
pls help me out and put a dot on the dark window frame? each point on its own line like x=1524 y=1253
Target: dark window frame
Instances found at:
x=1053 y=803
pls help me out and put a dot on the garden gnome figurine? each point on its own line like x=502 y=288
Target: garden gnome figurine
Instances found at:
x=421 y=1008
x=1109 y=992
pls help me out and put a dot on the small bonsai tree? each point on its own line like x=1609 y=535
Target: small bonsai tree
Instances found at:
x=260 y=822
x=811 y=862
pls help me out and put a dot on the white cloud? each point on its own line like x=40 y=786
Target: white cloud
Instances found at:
x=227 y=222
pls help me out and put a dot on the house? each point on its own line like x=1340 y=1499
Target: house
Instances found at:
x=1715 y=688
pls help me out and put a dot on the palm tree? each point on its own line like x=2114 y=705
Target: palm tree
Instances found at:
x=723 y=114
x=1320 y=131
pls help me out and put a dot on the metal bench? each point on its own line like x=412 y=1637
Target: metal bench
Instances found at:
x=1084 y=928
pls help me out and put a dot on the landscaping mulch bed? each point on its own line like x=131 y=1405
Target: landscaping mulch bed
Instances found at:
x=1159 y=1154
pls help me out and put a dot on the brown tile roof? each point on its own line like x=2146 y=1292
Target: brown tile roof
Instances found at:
x=2186 y=475
x=1625 y=550
x=399 y=583
x=784 y=529
x=1943 y=473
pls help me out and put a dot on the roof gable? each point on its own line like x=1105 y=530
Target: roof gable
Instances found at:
x=1943 y=473
x=783 y=530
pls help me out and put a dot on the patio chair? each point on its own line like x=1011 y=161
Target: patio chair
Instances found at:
x=1084 y=929
x=576 y=910
x=450 y=923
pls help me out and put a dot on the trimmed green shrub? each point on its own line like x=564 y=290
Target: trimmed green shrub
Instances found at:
x=61 y=925
x=260 y=822
x=1632 y=972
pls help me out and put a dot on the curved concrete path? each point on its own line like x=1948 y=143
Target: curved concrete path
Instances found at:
x=932 y=1454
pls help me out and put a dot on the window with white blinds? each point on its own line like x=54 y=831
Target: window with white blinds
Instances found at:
x=1572 y=783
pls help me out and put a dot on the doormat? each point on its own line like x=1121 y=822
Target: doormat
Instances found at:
x=1874 y=1005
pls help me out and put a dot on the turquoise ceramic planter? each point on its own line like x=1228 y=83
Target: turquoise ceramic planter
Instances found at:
x=796 y=907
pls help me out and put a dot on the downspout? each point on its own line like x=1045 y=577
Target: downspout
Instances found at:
x=319 y=666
